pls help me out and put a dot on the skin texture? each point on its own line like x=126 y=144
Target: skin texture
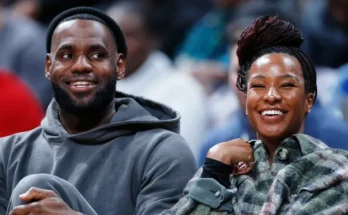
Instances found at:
x=81 y=50
x=275 y=83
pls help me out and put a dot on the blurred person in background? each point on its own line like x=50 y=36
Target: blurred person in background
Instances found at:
x=176 y=16
x=150 y=73
x=204 y=53
x=340 y=92
x=22 y=51
x=43 y=11
x=20 y=110
x=175 y=20
x=325 y=29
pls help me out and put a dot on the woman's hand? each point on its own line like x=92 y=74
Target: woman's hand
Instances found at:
x=237 y=152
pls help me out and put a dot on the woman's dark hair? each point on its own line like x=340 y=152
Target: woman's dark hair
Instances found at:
x=273 y=35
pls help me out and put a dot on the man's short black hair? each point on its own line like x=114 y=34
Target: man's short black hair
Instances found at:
x=88 y=13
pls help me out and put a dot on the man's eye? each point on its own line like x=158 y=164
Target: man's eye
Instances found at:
x=67 y=56
x=98 y=56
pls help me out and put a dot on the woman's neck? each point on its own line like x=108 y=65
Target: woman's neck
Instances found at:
x=271 y=144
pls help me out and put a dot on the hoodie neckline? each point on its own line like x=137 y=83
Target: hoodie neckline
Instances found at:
x=132 y=114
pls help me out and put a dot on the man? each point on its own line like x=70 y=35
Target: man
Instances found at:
x=150 y=72
x=23 y=52
x=97 y=151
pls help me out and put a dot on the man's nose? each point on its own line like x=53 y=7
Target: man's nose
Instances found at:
x=82 y=65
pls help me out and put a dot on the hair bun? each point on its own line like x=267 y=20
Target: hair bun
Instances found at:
x=266 y=32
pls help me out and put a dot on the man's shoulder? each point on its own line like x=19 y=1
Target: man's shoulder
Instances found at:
x=21 y=138
x=159 y=136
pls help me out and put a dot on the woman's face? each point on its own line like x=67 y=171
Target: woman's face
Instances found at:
x=276 y=100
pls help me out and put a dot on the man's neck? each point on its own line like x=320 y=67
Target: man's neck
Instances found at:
x=75 y=124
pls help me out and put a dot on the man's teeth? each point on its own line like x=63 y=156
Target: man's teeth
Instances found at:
x=272 y=112
x=81 y=83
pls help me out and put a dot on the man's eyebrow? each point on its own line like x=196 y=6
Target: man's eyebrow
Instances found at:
x=65 y=47
x=94 y=47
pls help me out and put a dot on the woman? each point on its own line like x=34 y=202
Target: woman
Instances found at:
x=284 y=171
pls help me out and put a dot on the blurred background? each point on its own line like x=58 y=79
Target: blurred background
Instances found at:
x=182 y=54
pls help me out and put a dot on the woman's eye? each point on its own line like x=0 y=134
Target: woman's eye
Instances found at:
x=287 y=85
x=257 y=86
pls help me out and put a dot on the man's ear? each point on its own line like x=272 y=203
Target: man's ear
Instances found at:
x=48 y=66
x=120 y=66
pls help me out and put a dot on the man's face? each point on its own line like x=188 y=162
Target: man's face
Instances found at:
x=83 y=66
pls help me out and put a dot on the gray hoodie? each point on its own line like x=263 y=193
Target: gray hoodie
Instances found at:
x=136 y=164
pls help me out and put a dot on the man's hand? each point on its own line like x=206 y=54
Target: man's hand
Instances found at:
x=237 y=152
x=42 y=202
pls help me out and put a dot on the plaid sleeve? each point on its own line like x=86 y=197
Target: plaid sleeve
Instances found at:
x=204 y=196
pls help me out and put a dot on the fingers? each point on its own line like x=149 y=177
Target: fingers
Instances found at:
x=231 y=152
x=26 y=209
x=35 y=193
x=237 y=142
x=243 y=168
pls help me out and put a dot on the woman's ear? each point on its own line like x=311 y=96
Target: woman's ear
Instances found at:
x=120 y=66
x=309 y=102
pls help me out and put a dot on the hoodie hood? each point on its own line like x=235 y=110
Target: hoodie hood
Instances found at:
x=133 y=114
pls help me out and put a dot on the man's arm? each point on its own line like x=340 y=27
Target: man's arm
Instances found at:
x=3 y=190
x=167 y=171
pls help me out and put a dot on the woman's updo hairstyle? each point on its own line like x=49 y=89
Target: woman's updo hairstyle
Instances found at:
x=273 y=35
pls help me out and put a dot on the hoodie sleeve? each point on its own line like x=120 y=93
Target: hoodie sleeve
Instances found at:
x=3 y=192
x=168 y=169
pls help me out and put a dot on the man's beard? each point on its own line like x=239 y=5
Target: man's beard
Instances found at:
x=101 y=99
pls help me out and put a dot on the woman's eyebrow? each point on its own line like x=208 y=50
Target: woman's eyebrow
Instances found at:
x=257 y=76
x=289 y=76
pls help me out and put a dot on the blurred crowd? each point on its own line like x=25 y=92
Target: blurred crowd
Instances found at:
x=182 y=54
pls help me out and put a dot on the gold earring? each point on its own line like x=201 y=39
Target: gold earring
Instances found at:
x=309 y=110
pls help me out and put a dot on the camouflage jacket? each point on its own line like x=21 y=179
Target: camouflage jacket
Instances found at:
x=306 y=177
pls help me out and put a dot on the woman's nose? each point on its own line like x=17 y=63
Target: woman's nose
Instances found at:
x=272 y=95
